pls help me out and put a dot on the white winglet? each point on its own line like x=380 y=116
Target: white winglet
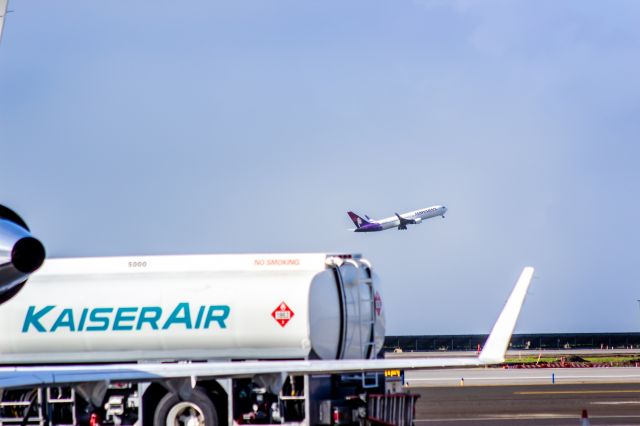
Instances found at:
x=496 y=345
x=4 y=5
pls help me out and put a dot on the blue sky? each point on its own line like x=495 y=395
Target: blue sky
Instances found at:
x=152 y=127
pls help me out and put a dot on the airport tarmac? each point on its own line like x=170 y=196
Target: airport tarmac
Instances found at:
x=558 y=405
x=520 y=353
x=519 y=376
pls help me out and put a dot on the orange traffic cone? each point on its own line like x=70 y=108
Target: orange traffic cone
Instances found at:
x=584 y=420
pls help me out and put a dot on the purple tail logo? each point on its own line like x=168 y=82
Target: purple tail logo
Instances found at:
x=357 y=220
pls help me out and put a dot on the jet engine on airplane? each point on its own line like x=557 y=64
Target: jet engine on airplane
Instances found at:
x=20 y=253
x=417 y=220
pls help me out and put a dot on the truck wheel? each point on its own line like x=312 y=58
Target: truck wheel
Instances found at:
x=197 y=410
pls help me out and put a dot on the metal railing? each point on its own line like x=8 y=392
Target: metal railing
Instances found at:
x=396 y=409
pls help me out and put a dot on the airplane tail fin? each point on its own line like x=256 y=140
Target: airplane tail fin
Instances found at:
x=357 y=220
x=497 y=344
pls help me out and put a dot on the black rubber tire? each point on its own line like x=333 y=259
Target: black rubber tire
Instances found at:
x=199 y=398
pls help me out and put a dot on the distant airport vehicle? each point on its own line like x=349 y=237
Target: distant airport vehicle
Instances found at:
x=399 y=221
x=206 y=339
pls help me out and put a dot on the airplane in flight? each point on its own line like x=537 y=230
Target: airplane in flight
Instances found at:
x=399 y=221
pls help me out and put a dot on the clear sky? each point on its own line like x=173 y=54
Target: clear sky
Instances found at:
x=160 y=127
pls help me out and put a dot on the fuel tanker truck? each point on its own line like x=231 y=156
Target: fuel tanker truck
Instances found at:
x=200 y=340
x=187 y=309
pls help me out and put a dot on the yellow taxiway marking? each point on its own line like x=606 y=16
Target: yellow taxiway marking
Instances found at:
x=576 y=392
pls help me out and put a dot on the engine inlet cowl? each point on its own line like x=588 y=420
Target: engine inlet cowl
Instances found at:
x=20 y=253
x=27 y=255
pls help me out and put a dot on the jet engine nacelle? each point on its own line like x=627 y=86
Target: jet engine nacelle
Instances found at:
x=417 y=220
x=20 y=253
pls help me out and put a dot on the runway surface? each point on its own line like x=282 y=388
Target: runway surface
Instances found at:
x=558 y=405
x=519 y=353
x=525 y=376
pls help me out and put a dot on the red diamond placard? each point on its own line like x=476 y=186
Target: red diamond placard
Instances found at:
x=282 y=314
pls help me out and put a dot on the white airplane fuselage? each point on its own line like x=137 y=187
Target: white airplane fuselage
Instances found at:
x=420 y=214
x=413 y=217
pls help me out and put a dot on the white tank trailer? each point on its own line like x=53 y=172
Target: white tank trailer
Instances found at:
x=182 y=308
x=249 y=306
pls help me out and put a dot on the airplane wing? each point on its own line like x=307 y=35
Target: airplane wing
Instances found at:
x=404 y=222
x=493 y=353
x=4 y=5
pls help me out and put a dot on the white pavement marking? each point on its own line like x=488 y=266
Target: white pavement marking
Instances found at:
x=495 y=376
x=502 y=417
x=522 y=417
x=433 y=379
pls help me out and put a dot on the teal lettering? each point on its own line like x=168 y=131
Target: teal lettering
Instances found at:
x=218 y=314
x=199 y=317
x=176 y=318
x=65 y=319
x=83 y=319
x=33 y=318
x=121 y=316
x=125 y=318
x=96 y=318
x=152 y=320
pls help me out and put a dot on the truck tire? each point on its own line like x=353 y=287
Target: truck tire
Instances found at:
x=198 y=409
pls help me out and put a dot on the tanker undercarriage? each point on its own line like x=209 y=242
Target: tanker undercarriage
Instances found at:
x=302 y=400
